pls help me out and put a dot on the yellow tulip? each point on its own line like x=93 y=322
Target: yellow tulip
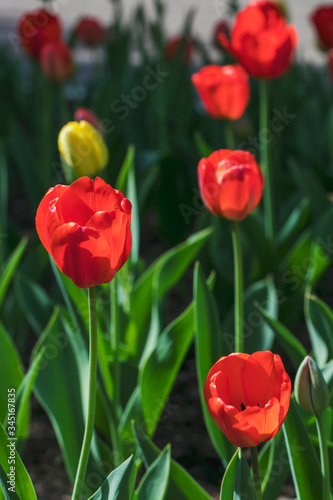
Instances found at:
x=82 y=148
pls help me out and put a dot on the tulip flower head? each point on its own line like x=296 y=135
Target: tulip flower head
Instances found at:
x=85 y=227
x=36 y=28
x=311 y=390
x=330 y=64
x=224 y=90
x=56 y=61
x=261 y=40
x=83 y=148
x=90 y=31
x=248 y=396
x=322 y=19
x=230 y=183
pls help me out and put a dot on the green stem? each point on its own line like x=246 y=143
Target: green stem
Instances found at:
x=229 y=135
x=115 y=340
x=238 y=273
x=256 y=471
x=264 y=161
x=89 y=430
x=324 y=459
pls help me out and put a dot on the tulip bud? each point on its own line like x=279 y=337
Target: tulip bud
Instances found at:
x=82 y=148
x=311 y=390
x=90 y=31
x=56 y=61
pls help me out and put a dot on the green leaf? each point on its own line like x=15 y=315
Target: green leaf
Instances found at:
x=181 y=485
x=319 y=320
x=209 y=347
x=202 y=146
x=122 y=177
x=167 y=269
x=10 y=268
x=23 y=485
x=154 y=483
x=11 y=372
x=34 y=302
x=291 y=345
x=131 y=193
x=274 y=467
x=161 y=368
x=229 y=478
x=23 y=397
x=58 y=389
x=292 y=227
x=258 y=335
x=244 y=487
x=119 y=485
x=303 y=460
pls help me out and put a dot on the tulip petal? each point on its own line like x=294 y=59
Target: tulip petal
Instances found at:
x=84 y=198
x=82 y=254
x=42 y=213
x=115 y=227
x=255 y=381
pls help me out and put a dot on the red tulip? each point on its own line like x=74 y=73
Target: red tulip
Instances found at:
x=322 y=18
x=230 y=183
x=261 y=40
x=248 y=396
x=224 y=90
x=219 y=28
x=56 y=61
x=176 y=44
x=90 y=31
x=37 y=28
x=87 y=115
x=86 y=229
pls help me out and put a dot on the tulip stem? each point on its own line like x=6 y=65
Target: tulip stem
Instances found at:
x=89 y=429
x=324 y=459
x=265 y=165
x=238 y=273
x=256 y=471
x=115 y=342
x=229 y=135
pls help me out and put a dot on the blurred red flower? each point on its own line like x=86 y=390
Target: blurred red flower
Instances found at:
x=219 y=28
x=56 y=61
x=90 y=31
x=176 y=44
x=248 y=396
x=85 y=227
x=261 y=40
x=322 y=18
x=87 y=115
x=37 y=28
x=230 y=183
x=224 y=90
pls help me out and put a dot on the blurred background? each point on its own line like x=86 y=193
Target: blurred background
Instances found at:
x=206 y=14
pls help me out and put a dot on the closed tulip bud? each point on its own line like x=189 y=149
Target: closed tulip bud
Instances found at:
x=322 y=19
x=311 y=390
x=82 y=148
x=56 y=61
x=36 y=28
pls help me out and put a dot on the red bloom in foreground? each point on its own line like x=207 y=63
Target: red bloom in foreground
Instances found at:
x=177 y=44
x=230 y=183
x=261 y=40
x=322 y=18
x=86 y=229
x=87 y=115
x=224 y=90
x=37 y=28
x=248 y=396
x=56 y=61
x=90 y=31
